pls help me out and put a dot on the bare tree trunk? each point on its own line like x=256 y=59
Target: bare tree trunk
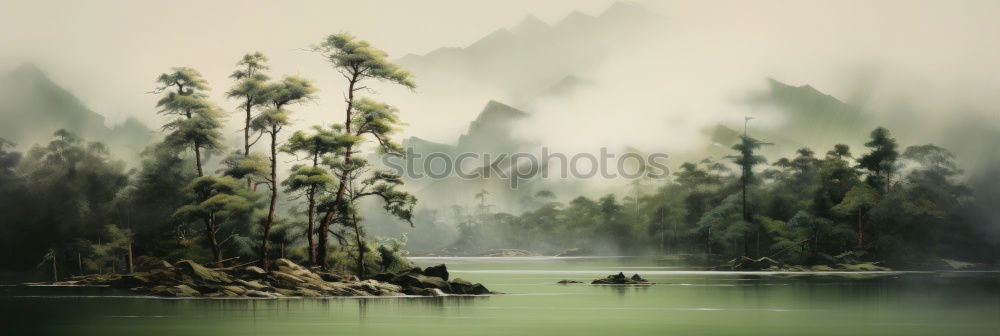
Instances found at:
x=861 y=232
x=246 y=136
x=197 y=159
x=55 y=269
x=79 y=263
x=311 y=215
x=264 y=262
x=361 y=250
x=131 y=267
x=328 y=218
x=216 y=249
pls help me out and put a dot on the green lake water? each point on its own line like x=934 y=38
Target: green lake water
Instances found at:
x=684 y=301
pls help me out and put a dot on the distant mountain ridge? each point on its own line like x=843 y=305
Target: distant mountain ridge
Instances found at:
x=33 y=107
x=532 y=55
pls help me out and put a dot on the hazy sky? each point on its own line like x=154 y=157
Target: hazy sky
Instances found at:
x=940 y=55
x=109 y=52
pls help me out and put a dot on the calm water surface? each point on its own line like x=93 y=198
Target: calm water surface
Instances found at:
x=684 y=302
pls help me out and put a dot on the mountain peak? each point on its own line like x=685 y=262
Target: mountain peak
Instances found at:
x=575 y=19
x=497 y=36
x=625 y=10
x=28 y=72
x=530 y=24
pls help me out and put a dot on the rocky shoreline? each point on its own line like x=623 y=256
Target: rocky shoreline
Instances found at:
x=189 y=279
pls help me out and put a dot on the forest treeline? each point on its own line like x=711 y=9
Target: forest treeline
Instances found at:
x=898 y=206
x=69 y=207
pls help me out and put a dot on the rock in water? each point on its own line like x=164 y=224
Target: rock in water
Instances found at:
x=440 y=271
x=459 y=286
x=621 y=279
x=421 y=281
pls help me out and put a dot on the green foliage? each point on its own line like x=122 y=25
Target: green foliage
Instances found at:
x=880 y=161
x=357 y=58
x=222 y=196
x=65 y=190
x=254 y=166
x=379 y=121
x=804 y=210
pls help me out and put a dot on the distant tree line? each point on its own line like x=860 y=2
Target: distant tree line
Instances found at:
x=71 y=207
x=886 y=204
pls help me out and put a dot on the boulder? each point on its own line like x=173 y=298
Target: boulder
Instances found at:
x=164 y=276
x=377 y=288
x=284 y=280
x=308 y=292
x=201 y=274
x=260 y=294
x=430 y=292
x=250 y=272
x=335 y=276
x=282 y=262
x=147 y=263
x=131 y=281
x=253 y=285
x=440 y=271
x=383 y=277
x=183 y=291
x=567 y=282
x=235 y=290
x=460 y=286
x=421 y=281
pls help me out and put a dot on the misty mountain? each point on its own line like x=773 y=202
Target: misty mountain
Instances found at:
x=526 y=58
x=33 y=107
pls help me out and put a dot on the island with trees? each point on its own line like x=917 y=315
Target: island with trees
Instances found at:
x=195 y=218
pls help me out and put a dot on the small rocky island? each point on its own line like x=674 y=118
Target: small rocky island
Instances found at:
x=614 y=279
x=190 y=279
x=621 y=279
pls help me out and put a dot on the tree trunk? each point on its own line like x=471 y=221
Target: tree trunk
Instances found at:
x=246 y=136
x=131 y=267
x=328 y=218
x=311 y=215
x=861 y=233
x=212 y=239
x=264 y=262
x=361 y=250
x=79 y=263
x=197 y=159
x=55 y=269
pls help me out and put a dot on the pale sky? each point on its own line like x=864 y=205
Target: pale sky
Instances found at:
x=108 y=52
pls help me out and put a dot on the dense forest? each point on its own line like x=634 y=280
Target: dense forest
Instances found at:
x=69 y=207
x=897 y=206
